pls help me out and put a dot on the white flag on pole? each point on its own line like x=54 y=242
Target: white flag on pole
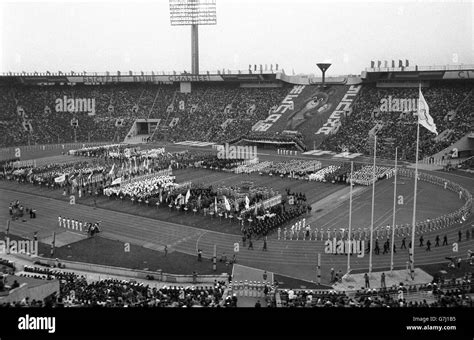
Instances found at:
x=188 y=195
x=227 y=204
x=60 y=179
x=117 y=181
x=111 y=172
x=424 y=117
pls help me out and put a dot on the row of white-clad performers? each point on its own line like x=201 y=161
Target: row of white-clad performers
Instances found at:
x=70 y=223
x=303 y=231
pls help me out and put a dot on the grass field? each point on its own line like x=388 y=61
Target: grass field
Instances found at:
x=432 y=201
x=98 y=250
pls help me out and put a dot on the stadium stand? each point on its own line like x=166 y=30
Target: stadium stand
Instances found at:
x=450 y=107
x=76 y=291
x=30 y=114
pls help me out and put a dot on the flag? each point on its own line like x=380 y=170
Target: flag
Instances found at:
x=424 y=117
x=227 y=205
x=60 y=179
x=199 y=202
x=247 y=202
x=111 y=172
x=215 y=204
x=177 y=199
x=236 y=204
x=53 y=243
x=188 y=194
x=117 y=181
x=161 y=195
x=256 y=209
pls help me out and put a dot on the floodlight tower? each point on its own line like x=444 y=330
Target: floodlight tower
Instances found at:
x=324 y=67
x=193 y=13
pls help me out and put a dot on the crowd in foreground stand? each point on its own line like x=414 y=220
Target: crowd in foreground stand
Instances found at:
x=77 y=291
x=452 y=294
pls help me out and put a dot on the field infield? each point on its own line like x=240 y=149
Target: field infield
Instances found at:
x=152 y=228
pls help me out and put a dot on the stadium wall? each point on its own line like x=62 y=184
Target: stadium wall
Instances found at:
x=138 y=274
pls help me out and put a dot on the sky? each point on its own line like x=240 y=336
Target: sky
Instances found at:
x=99 y=36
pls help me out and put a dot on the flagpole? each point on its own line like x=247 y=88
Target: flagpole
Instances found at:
x=373 y=206
x=350 y=222
x=412 y=270
x=394 y=209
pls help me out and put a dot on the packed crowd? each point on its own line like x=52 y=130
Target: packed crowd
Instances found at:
x=30 y=114
x=277 y=140
x=77 y=291
x=365 y=176
x=398 y=129
x=457 y=294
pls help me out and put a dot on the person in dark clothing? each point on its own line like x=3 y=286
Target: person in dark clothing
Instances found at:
x=428 y=246
x=250 y=244
x=403 y=246
x=445 y=240
x=257 y=304
x=264 y=245
x=437 y=241
x=421 y=241
x=367 y=282
x=460 y=236
x=200 y=255
x=377 y=249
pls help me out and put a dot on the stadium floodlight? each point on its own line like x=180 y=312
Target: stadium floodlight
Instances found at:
x=324 y=67
x=193 y=13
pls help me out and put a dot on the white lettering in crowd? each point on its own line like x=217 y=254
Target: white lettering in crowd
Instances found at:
x=334 y=120
x=157 y=79
x=286 y=104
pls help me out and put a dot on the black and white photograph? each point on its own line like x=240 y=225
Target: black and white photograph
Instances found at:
x=304 y=168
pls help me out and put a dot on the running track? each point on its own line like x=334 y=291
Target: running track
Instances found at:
x=292 y=258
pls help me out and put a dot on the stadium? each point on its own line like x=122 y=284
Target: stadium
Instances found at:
x=238 y=189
